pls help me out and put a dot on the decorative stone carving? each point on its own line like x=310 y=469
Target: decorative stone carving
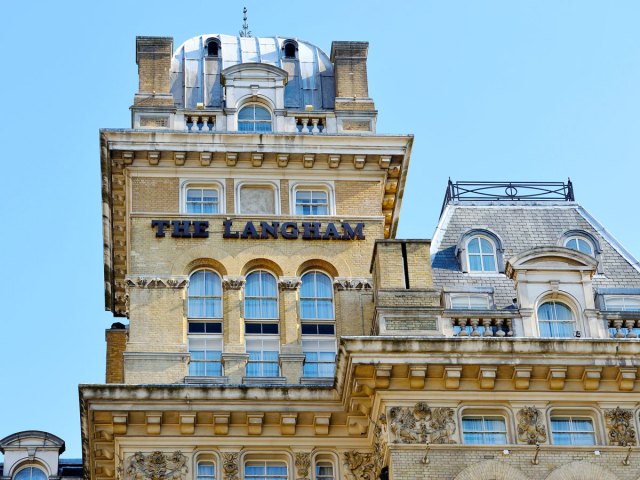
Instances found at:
x=230 y=466
x=359 y=466
x=530 y=427
x=176 y=281
x=621 y=431
x=380 y=442
x=289 y=283
x=156 y=466
x=233 y=283
x=422 y=424
x=303 y=464
x=345 y=283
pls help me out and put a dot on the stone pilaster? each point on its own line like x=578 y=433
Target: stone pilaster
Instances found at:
x=233 y=328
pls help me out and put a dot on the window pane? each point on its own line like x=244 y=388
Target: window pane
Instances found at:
x=488 y=263
x=486 y=246
x=262 y=113
x=474 y=245
x=246 y=113
x=475 y=263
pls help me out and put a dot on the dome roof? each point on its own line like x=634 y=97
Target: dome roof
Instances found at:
x=195 y=75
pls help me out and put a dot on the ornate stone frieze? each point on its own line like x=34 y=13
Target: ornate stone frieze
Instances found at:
x=349 y=283
x=289 y=283
x=303 y=465
x=359 y=466
x=143 y=281
x=230 y=466
x=156 y=466
x=530 y=427
x=422 y=424
x=233 y=282
x=620 y=429
x=380 y=442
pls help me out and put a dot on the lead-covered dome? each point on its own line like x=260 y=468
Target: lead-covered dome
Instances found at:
x=198 y=63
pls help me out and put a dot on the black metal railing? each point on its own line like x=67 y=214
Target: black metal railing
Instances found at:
x=510 y=191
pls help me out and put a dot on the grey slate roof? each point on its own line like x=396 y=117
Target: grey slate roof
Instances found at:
x=521 y=227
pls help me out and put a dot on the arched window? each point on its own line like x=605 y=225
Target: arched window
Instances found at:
x=579 y=243
x=290 y=47
x=481 y=254
x=254 y=118
x=318 y=329
x=213 y=47
x=261 y=296
x=30 y=473
x=205 y=327
x=316 y=297
x=556 y=319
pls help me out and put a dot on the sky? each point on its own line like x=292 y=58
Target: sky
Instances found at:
x=492 y=90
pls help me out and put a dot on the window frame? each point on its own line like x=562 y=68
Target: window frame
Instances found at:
x=206 y=47
x=285 y=44
x=573 y=414
x=578 y=238
x=481 y=254
x=462 y=254
x=327 y=187
x=265 y=461
x=252 y=104
x=274 y=186
x=200 y=461
x=261 y=319
x=325 y=457
x=607 y=298
x=453 y=295
x=567 y=303
x=484 y=416
x=186 y=184
x=31 y=467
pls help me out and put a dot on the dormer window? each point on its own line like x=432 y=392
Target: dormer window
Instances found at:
x=213 y=47
x=30 y=473
x=290 y=48
x=254 y=118
x=482 y=254
x=580 y=243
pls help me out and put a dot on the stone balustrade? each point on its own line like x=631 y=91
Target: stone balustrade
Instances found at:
x=624 y=328
x=195 y=123
x=305 y=124
x=468 y=326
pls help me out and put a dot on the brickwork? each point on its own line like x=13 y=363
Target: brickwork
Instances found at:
x=350 y=68
x=116 y=339
x=284 y=197
x=419 y=264
x=155 y=194
x=153 y=56
x=482 y=462
x=358 y=198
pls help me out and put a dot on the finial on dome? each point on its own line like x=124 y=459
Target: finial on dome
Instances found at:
x=245 y=32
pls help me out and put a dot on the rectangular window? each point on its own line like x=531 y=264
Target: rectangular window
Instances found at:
x=263 y=356
x=319 y=357
x=206 y=471
x=265 y=471
x=481 y=430
x=257 y=200
x=324 y=471
x=312 y=202
x=318 y=329
x=572 y=431
x=206 y=355
x=622 y=303
x=464 y=301
x=202 y=200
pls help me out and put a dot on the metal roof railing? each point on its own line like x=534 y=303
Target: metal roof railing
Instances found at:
x=509 y=191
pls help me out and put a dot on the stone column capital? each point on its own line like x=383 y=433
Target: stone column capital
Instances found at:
x=233 y=282
x=289 y=283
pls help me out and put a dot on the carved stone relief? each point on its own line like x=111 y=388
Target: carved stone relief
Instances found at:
x=303 y=465
x=346 y=283
x=530 y=427
x=380 y=435
x=422 y=424
x=177 y=281
x=289 y=283
x=230 y=466
x=156 y=466
x=620 y=429
x=233 y=283
x=359 y=466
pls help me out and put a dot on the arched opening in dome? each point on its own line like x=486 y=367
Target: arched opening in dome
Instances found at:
x=213 y=47
x=290 y=47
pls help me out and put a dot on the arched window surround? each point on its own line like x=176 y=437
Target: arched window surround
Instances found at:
x=576 y=412
x=207 y=457
x=290 y=49
x=590 y=238
x=567 y=300
x=41 y=473
x=325 y=456
x=212 y=47
x=257 y=103
x=494 y=238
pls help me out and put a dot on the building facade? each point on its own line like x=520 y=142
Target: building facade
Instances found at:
x=273 y=327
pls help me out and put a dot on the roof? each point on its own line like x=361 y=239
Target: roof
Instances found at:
x=310 y=74
x=522 y=226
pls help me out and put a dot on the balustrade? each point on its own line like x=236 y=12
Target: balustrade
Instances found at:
x=482 y=327
x=310 y=124
x=200 y=123
x=623 y=328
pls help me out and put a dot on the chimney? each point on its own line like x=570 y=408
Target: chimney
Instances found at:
x=153 y=57
x=116 y=338
x=350 y=69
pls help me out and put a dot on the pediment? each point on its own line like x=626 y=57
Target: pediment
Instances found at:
x=551 y=258
x=29 y=438
x=256 y=71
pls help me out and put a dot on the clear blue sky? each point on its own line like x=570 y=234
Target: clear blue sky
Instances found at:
x=492 y=90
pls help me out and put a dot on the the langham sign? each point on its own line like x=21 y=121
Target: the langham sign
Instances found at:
x=262 y=230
